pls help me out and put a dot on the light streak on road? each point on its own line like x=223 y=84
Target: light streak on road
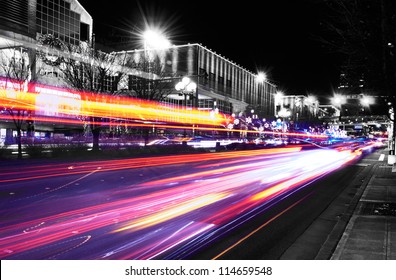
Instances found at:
x=256 y=230
x=55 y=170
x=182 y=208
x=109 y=107
x=147 y=220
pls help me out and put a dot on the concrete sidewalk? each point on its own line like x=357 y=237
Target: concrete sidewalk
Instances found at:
x=371 y=231
x=360 y=223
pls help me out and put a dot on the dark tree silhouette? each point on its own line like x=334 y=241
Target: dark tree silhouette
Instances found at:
x=18 y=67
x=86 y=69
x=364 y=33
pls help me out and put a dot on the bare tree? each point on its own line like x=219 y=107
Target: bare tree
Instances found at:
x=151 y=81
x=18 y=67
x=364 y=32
x=87 y=70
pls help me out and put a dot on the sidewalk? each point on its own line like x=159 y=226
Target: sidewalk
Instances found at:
x=371 y=232
x=360 y=223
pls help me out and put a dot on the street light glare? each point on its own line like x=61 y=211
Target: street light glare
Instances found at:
x=179 y=86
x=191 y=87
x=186 y=80
x=367 y=101
x=186 y=84
x=155 y=39
x=261 y=77
x=311 y=99
x=338 y=100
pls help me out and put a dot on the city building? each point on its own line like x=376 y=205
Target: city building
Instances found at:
x=329 y=113
x=21 y=24
x=22 y=21
x=221 y=85
x=298 y=108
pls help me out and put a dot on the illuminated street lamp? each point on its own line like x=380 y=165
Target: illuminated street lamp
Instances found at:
x=311 y=100
x=284 y=113
x=154 y=39
x=261 y=77
x=278 y=97
x=186 y=87
x=338 y=100
x=366 y=101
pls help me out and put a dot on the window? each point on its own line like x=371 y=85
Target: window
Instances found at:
x=84 y=32
x=203 y=73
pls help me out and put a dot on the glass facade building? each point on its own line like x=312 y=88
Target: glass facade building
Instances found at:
x=66 y=19
x=56 y=17
x=21 y=23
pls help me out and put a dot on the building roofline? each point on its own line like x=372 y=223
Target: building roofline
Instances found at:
x=206 y=49
x=82 y=7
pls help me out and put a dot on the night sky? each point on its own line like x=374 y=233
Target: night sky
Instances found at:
x=279 y=37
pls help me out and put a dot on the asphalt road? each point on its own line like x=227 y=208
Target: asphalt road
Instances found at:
x=269 y=235
x=233 y=205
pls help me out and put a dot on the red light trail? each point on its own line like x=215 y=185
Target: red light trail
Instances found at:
x=146 y=220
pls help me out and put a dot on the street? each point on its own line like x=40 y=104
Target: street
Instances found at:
x=165 y=207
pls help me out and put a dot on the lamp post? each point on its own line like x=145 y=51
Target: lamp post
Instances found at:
x=153 y=39
x=186 y=87
x=391 y=139
x=278 y=102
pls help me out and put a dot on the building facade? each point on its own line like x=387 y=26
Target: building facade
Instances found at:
x=221 y=83
x=22 y=20
x=21 y=24
x=301 y=110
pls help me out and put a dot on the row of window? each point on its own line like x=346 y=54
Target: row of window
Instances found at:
x=67 y=39
x=45 y=26
x=55 y=17
x=15 y=11
x=71 y=29
x=227 y=88
x=54 y=4
x=68 y=23
x=58 y=18
x=64 y=14
x=209 y=104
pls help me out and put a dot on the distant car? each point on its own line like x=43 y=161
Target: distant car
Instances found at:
x=236 y=146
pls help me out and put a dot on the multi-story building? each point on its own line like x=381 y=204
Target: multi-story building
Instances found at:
x=221 y=83
x=21 y=23
x=22 y=20
x=299 y=108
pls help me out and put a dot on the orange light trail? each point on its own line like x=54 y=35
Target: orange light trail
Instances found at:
x=104 y=106
x=145 y=219
x=132 y=112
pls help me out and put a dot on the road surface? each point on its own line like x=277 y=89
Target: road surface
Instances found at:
x=166 y=207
